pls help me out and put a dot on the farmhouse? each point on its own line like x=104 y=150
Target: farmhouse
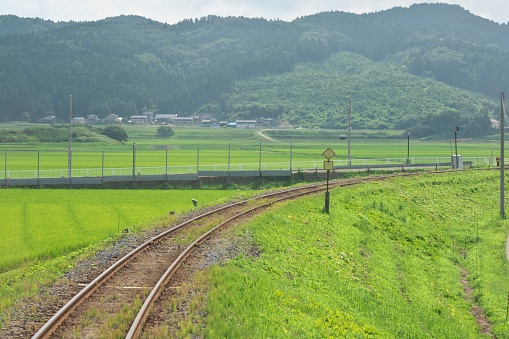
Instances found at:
x=112 y=119
x=150 y=116
x=50 y=119
x=138 y=119
x=92 y=119
x=246 y=123
x=495 y=123
x=164 y=118
x=266 y=121
x=183 y=120
x=78 y=121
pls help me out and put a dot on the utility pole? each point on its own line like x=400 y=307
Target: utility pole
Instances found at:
x=349 y=128
x=455 y=130
x=502 y=186
x=69 y=151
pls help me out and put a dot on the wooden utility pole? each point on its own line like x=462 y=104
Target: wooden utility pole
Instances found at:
x=502 y=188
x=69 y=151
x=349 y=128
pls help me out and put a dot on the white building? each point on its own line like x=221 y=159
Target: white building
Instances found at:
x=246 y=123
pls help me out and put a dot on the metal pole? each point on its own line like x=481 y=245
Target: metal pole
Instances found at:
x=5 y=168
x=327 y=194
x=38 y=166
x=134 y=161
x=455 y=130
x=229 y=157
x=69 y=151
x=502 y=156
x=198 y=160
x=291 y=155
x=102 y=165
x=166 y=166
x=349 y=129
x=408 y=149
x=260 y=159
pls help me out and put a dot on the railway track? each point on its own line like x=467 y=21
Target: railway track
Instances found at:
x=125 y=293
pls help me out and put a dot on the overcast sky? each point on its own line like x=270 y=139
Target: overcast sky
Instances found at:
x=173 y=11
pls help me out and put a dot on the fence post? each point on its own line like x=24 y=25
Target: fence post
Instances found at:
x=229 y=158
x=198 y=160
x=134 y=161
x=102 y=167
x=291 y=154
x=166 y=166
x=38 y=167
x=5 y=169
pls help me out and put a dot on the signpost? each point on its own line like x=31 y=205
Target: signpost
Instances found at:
x=328 y=166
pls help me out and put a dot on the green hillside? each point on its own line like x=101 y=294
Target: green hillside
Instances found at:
x=383 y=97
x=128 y=64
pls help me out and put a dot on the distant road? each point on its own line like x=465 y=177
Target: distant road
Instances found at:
x=260 y=133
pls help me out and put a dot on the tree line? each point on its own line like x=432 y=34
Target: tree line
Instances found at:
x=129 y=64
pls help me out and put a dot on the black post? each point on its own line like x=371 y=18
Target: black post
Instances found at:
x=38 y=167
x=327 y=194
x=102 y=167
x=166 y=166
x=408 y=149
x=134 y=161
x=455 y=130
x=5 y=168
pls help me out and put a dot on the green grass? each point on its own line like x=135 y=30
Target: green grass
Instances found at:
x=48 y=223
x=386 y=263
x=44 y=232
x=202 y=147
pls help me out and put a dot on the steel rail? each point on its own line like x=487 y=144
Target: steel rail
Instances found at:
x=137 y=325
x=54 y=322
x=58 y=318
x=139 y=322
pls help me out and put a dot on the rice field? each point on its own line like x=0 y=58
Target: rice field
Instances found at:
x=39 y=224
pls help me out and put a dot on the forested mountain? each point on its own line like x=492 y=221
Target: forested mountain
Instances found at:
x=421 y=68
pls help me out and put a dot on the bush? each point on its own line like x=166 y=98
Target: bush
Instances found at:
x=165 y=131
x=115 y=132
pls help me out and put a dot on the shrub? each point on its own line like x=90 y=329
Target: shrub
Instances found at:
x=115 y=132
x=165 y=131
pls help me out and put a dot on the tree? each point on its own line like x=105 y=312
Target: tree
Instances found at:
x=115 y=132
x=165 y=131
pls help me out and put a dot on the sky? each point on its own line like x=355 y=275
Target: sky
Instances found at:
x=173 y=11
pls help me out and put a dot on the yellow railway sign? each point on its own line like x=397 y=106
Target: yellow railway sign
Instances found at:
x=328 y=153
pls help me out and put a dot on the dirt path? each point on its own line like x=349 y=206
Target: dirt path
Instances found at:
x=260 y=133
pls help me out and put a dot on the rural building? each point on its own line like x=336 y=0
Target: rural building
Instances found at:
x=183 y=121
x=138 y=119
x=164 y=118
x=206 y=123
x=112 y=119
x=246 y=123
x=495 y=123
x=266 y=121
x=150 y=116
x=78 y=121
x=50 y=119
x=92 y=119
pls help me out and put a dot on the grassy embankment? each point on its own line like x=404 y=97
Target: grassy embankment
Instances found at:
x=388 y=262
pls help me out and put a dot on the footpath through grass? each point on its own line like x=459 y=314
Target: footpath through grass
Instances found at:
x=388 y=262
